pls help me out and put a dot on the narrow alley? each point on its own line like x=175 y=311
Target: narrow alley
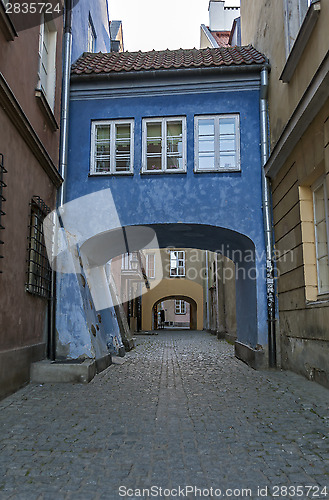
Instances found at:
x=179 y=411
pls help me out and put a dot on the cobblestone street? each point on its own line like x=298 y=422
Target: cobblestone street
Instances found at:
x=178 y=410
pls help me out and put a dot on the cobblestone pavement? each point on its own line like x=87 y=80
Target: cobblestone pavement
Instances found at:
x=179 y=410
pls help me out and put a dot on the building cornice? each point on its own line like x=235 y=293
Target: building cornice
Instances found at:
x=179 y=83
x=308 y=107
x=12 y=108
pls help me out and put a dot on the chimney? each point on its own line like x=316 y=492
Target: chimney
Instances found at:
x=220 y=17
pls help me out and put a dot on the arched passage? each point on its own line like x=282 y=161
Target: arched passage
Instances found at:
x=191 y=292
x=196 y=309
x=193 y=310
x=249 y=264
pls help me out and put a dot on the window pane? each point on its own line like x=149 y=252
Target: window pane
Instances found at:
x=122 y=148
x=102 y=140
x=206 y=162
x=206 y=145
x=123 y=131
x=154 y=130
x=102 y=149
x=319 y=204
x=154 y=163
x=103 y=132
x=174 y=145
x=227 y=126
x=227 y=161
x=102 y=165
x=150 y=265
x=154 y=146
x=227 y=144
x=174 y=129
x=206 y=127
x=321 y=237
x=174 y=163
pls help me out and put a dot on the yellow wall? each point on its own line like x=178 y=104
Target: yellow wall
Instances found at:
x=170 y=288
x=262 y=25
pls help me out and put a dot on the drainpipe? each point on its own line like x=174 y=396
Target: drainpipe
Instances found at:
x=67 y=43
x=207 y=292
x=267 y=220
x=67 y=51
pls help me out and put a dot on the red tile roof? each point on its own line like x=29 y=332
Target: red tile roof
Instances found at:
x=114 y=62
x=221 y=37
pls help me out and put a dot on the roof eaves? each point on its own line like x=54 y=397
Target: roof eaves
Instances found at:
x=152 y=73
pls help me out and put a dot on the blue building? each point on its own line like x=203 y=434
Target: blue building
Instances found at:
x=169 y=141
x=90 y=28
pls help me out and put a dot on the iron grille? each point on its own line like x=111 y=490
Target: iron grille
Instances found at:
x=39 y=270
x=2 y=198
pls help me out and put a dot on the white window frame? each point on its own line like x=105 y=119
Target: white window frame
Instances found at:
x=174 y=255
x=217 y=167
x=48 y=42
x=180 y=306
x=150 y=275
x=315 y=187
x=112 y=124
x=163 y=121
x=91 y=40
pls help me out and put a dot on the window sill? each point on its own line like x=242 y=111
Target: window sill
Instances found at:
x=163 y=172
x=323 y=299
x=221 y=171
x=6 y=24
x=301 y=41
x=46 y=109
x=109 y=174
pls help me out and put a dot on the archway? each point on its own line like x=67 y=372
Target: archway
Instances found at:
x=193 y=309
x=250 y=265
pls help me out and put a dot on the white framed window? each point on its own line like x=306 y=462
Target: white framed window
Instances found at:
x=150 y=265
x=129 y=261
x=112 y=147
x=177 y=263
x=91 y=41
x=164 y=145
x=180 y=307
x=217 y=143
x=47 y=59
x=321 y=225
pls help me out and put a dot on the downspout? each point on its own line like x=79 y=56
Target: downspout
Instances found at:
x=207 y=292
x=63 y=151
x=270 y=289
x=65 y=100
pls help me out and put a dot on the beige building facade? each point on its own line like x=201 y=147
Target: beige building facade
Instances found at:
x=294 y=35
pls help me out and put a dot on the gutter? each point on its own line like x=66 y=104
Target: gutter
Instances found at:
x=202 y=70
x=64 y=129
x=268 y=225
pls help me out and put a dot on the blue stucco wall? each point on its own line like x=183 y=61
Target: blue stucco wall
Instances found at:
x=224 y=200
x=99 y=15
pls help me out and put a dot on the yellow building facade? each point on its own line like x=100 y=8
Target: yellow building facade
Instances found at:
x=294 y=35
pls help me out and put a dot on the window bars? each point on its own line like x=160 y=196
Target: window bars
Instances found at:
x=38 y=271
x=2 y=198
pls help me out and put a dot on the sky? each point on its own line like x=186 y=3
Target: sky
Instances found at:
x=159 y=25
